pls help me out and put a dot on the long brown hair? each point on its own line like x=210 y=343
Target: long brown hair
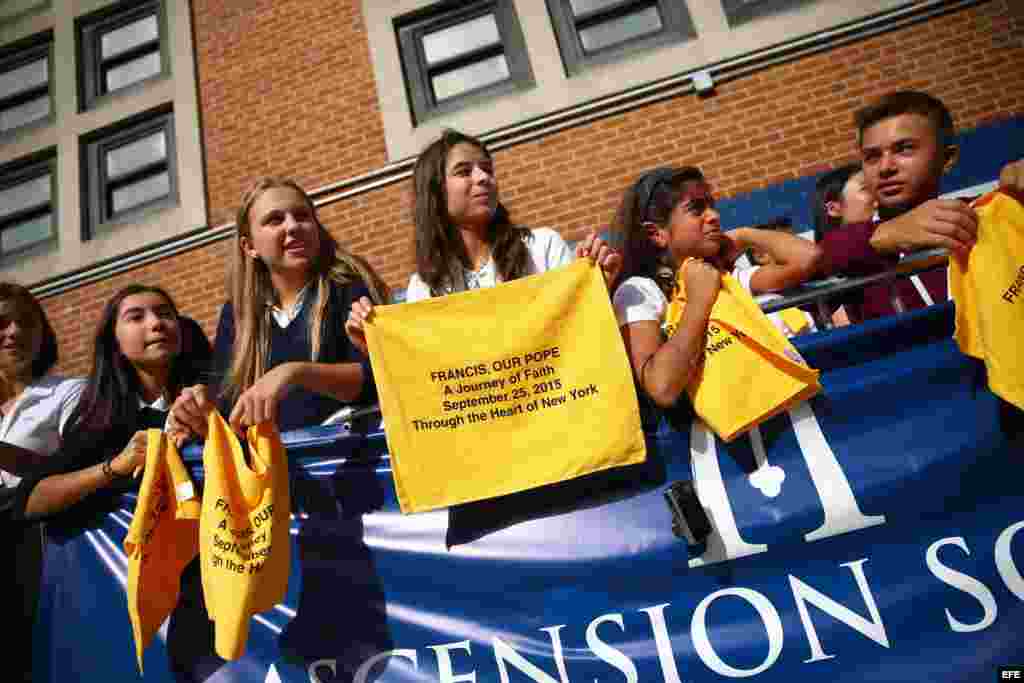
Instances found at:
x=251 y=290
x=440 y=253
x=651 y=199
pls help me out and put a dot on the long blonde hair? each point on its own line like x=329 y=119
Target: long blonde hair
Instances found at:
x=252 y=290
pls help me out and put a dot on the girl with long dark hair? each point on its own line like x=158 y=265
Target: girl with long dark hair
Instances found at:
x=141 y=359
x=465 y=238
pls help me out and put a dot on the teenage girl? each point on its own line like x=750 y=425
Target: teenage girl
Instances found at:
x=465 y=238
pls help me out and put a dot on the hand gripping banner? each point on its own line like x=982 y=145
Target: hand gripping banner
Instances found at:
x=162 y=540
x=988 y=287
x=244 y=541
x=750 y=372
x=490 y=392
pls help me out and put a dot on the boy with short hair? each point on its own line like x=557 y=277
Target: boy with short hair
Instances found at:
x=906 y=144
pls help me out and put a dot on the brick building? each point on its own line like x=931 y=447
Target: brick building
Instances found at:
x=129 y=129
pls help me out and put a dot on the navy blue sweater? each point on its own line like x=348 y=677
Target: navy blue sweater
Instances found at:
x=301 y=407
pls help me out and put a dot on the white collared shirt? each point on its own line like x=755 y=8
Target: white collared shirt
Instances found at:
x=547 y=250
x=38 y=416
x=284 y=316
x=159 y=404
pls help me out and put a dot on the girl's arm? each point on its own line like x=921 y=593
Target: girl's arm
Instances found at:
x=57 y=492
x=795 y=260
x=663 y=369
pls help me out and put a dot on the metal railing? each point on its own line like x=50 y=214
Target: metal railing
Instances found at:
x=819 y=292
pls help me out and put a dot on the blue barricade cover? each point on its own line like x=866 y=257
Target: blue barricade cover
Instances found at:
x=874 y=534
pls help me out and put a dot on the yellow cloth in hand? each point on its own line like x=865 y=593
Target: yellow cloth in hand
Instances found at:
x=493 y=391
x=244 y=539
x=988 y=288
x=162 y=540
x=750 y=371
x=794 y=319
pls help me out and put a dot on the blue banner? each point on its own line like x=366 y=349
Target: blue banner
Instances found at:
x=874 y=534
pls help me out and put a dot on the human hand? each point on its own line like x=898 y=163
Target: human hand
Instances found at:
x=188 y=415
x=1012 y=176
x=603 y=254
x=702 y=280
x=948 y=223
x=132 y=459
x=361 y=311
x=259 y=402
x=732 y=247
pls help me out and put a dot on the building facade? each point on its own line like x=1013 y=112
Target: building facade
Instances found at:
x=128 y=130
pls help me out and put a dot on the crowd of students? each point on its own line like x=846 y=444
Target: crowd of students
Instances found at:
x=290 y=345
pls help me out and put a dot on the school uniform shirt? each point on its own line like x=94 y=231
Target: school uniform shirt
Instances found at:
x=547 y=250
x=290 y=342
x=790 y=321
x=38 y=416
x=848 y=252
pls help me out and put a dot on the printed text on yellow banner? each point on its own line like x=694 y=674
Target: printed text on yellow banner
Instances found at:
x=494 y=391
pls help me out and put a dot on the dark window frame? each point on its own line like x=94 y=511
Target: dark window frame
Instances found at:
x=22 y=171
x=92 y=68
x=739 y=12
x=97 y=188
x=17 y=55
x=410 y=29
x=677 y=27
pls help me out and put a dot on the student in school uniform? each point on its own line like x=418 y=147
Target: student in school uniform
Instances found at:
x=280 y=353
x=35 y=407
x=465 y=237
x=138 y=367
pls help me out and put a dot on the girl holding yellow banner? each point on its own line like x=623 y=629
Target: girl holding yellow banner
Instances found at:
x=141 y=358
x=689 y=326
x=465 y=238
x=279 y=352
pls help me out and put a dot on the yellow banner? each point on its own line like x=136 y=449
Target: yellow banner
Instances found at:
x=244 y=534
x=988 y=288
x=162 y=540
x=750 y=370
x=493 y=391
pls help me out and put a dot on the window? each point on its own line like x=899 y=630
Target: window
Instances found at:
x=25 y=84
x=453 y=54
x=129 y=168
x=27 y=217
x=740 y=11
x=594 y=31
x=119 y=49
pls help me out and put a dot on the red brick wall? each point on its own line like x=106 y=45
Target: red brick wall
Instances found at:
x=320 y=124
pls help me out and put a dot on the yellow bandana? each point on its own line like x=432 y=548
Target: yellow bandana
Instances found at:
x=162 y=539
x=494 y=391
x=244 y=538
x=750 y=371
x=988 y=288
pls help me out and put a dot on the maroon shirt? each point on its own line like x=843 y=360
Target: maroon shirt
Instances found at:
x=848 y=252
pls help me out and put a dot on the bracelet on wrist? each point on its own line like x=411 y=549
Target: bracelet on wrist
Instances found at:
x=108 y=469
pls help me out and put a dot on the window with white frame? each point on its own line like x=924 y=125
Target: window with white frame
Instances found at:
x=128 y=168
x=25 y=97
x=456 y=53
x=27 y=216
x=119 y=48
x=595 y=31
